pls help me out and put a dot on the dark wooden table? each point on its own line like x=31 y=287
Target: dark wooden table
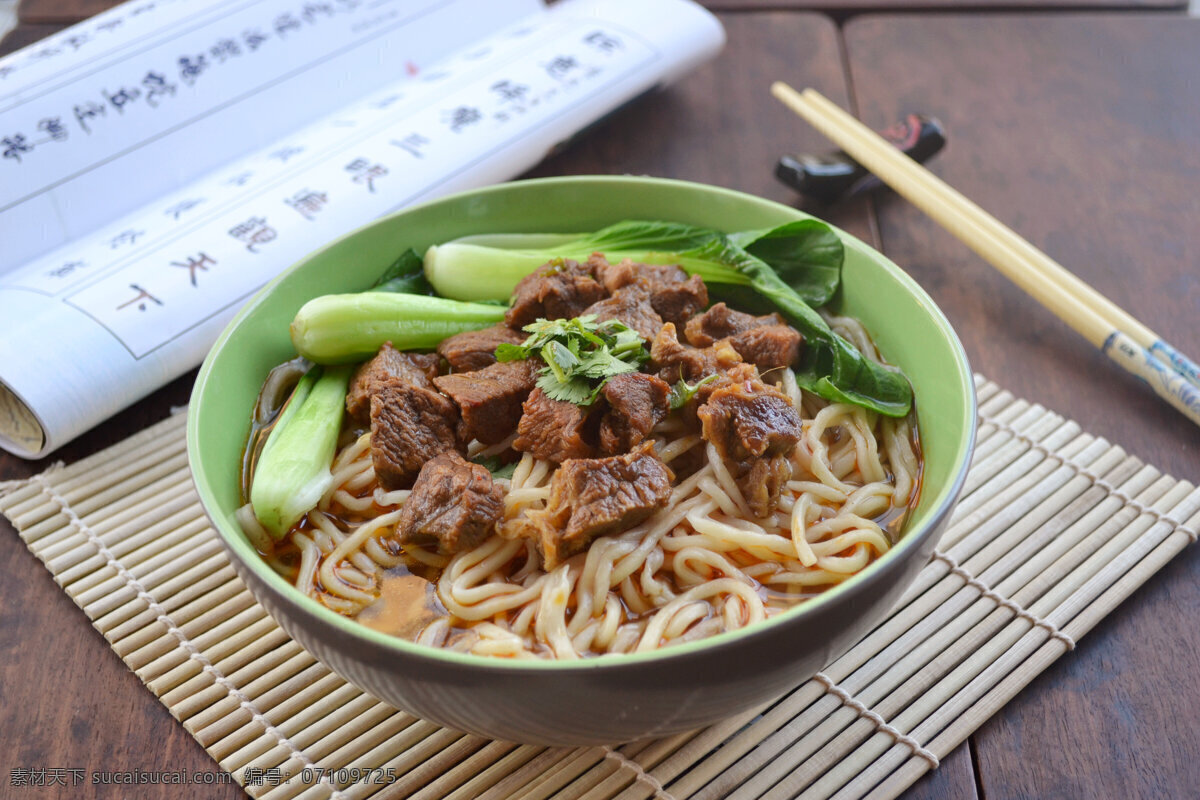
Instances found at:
x=68 y=11
x=1081 y=131
x=844 y=8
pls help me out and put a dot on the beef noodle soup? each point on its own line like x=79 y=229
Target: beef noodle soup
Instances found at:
x=617 y=467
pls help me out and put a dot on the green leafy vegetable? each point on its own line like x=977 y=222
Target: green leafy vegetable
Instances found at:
x=580 y=355
x=343 y=328
x=682 y=391
x=293 y=470
x=498 y=469
x=838 y=372
x=405 y=275
x=806 y=254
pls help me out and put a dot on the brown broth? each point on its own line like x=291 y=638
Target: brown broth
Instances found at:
x=406 y=604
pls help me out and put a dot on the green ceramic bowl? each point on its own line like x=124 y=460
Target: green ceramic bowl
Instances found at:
x=618 y=697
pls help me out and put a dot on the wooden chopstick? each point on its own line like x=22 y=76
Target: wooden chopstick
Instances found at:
x=1118 y=335
x=1049 y=269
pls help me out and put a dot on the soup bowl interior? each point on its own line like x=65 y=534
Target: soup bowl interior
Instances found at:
x=616 y=697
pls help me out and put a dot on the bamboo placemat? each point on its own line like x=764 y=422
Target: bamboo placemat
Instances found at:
x=1055 y=528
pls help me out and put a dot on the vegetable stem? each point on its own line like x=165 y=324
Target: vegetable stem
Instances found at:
x=293 y=470
x=343 y=328
x=469 y=271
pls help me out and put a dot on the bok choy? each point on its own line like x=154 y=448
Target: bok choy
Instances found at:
x=293 y=471
x=792 y=269
x=343 y=328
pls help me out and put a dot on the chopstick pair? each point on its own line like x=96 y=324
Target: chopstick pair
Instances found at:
x=1125 y=340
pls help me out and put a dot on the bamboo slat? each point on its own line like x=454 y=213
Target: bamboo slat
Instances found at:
x=1055 y=528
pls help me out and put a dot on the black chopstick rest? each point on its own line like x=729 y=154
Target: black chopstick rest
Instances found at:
x=837 y=176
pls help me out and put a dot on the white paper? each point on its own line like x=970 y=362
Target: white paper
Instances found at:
x=148 y=100
x=95 y=323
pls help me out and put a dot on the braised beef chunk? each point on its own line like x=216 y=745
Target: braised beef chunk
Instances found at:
x=673 y=295
x=454 y=505
x=409 y=426
x=722 y=322
x=676 y=302
x=636 y=403
x=388 y=366
x=490 y=399
x=674 y=361
x=559 y=289
x=763 y=484
x=751 y=424
x=474 y=350
x=766 y=341
x=737 y=372
x=747 y=419
x=631 y=305
x=552 y=429
x=619 y=275
x=769 y=347
x=597 y=496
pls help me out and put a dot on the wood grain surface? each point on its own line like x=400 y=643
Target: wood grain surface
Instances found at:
x=26 y=33
x=67 y=11
x=842 y=8
x=61 y=11
x=1083 y=134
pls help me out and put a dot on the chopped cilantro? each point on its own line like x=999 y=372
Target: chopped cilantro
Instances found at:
x=580 y=354
x=682 y=392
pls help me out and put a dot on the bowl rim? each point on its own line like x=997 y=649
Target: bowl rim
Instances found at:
x=242 y=551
